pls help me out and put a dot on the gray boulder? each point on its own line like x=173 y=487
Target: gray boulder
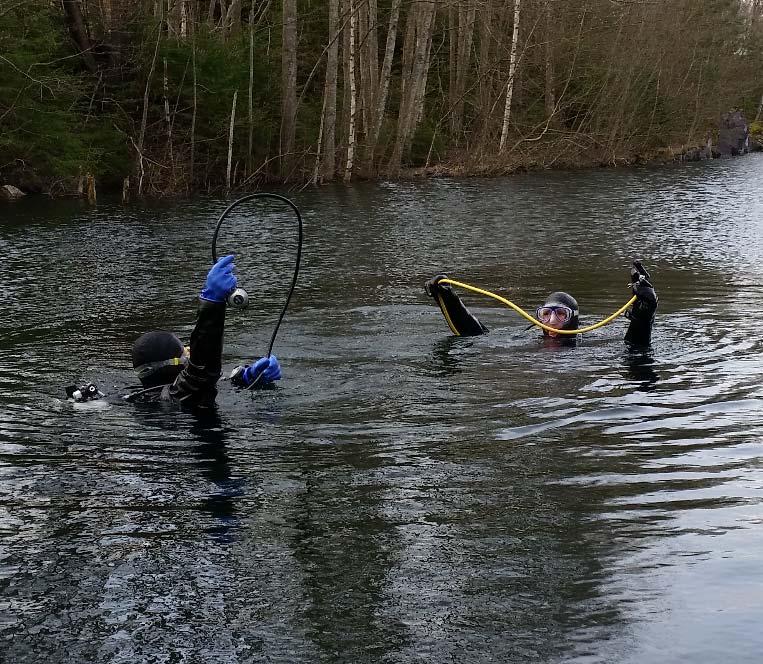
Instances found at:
x=10 y=193
x=733 y=135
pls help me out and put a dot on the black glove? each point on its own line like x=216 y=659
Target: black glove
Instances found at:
x=432 y=287
x=641 y=286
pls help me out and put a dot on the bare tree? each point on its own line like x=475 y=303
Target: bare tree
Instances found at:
x=78 y=32
x=512 y=72
x=350 y=26
x=288 y=84
x=549 y=97
x=325 y=165
x=230 y=140
x=416 y=50
x=385 y=75
x=462 y=20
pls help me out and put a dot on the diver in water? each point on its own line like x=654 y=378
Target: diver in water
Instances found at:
x=559 y=311
x=172 y=373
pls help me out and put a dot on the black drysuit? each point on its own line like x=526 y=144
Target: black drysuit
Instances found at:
x=196 y=384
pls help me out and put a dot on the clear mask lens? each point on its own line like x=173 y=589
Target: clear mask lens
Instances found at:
x=558 y=314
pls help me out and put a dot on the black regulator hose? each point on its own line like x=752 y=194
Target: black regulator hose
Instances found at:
x=283 y=199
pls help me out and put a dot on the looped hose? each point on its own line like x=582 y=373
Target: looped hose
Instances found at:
x=535 y=321
x=283 y=199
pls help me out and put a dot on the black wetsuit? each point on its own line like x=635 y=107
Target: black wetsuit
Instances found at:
x=196 y=384
x=465 y=324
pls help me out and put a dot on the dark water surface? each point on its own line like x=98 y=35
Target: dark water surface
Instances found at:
x=404 y=496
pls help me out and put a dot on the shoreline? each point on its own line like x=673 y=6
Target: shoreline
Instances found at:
x=531 y=161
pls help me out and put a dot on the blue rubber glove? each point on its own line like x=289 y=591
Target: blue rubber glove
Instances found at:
x=264 y=371
x=221 y=281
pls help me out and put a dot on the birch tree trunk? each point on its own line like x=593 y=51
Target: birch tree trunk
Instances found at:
x=353 y=93
x=167 y=118
x=230 y=139
x=185 y=19
x=510 y=84
x=288 y=85
x=550 y=95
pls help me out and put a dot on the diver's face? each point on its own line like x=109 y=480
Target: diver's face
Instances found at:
x=554 y=316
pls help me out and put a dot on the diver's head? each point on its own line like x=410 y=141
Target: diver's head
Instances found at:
x=560 y=311
x=158 y=357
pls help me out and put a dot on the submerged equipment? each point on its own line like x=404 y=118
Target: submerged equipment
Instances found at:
x=89 y=392
x=239 y=297
x=535 y=321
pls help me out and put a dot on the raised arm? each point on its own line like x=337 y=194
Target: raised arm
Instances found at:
x=196 y=384
x=642 y=312
x=460 y=320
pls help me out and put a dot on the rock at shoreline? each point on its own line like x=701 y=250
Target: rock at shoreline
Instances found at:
x=733 y=135
x=10 y=193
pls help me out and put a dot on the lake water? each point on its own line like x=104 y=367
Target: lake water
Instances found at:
x=404 y=495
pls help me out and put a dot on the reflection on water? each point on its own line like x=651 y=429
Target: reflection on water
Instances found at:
x=405 y=495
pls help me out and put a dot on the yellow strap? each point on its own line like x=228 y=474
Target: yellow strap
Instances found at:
x=445 y=313
x=534 y=321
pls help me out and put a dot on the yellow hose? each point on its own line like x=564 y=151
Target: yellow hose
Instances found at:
x=534 y=321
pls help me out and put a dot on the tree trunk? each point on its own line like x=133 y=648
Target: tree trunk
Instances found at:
x=512 y=71
x=325 y=159
x=423 y=71
x=230 y=140
x=78 y=32
x=384 y=79
x=353 y=94
x=250 y=142
x=461 y=51
x=144 y=118
x=416 y=50
x=452 y=59
x=193 y=117
x=107 y=15
x=288 y=85
x=364 y=61
x=550 y=96
x=233 y=18
x=485 y=78
x=167 y=119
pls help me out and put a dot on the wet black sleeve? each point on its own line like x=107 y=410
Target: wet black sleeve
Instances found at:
x=641 y=318
x=460 y=320
x=196 y=385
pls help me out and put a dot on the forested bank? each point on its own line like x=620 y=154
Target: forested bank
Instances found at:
x=164 y=97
